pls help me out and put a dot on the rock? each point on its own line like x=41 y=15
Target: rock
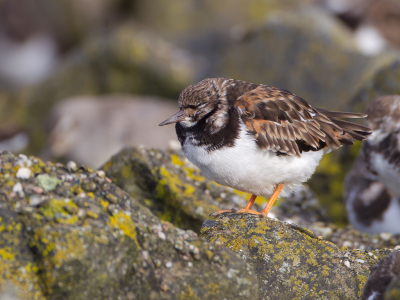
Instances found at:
x=324 y=66
x=381 y=83
x=385 y=16
x=301 y=207
x=128 y=59
x=290 y=261
x=385 y=271
x=170 y=186
x=73 y=245
x=350 y=238
x=111 y=121
x=201 y=26
x=176 y=191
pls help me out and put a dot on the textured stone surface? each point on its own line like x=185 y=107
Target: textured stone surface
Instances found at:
x=168 y=184
x=290 y=261
x=350 y=238
x=85 y=238
x=176 y=191
x=385 y=81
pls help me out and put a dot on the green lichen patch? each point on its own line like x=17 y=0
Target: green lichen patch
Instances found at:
x=47 y=182
x=290 y=261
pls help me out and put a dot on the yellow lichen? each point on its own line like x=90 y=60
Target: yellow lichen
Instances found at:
x=68 y=248
x=125 y=224
x=6 y=254
x=175 y=185
x=361 y=283
x=188 y=294
x=176 y=160
x=104 y=204
x=92 y=215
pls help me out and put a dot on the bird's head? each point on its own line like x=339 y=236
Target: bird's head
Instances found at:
x=206 y=99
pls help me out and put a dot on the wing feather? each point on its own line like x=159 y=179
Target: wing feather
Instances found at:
x=283 y=122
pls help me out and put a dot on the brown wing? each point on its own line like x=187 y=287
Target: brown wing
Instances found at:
x=282 y=122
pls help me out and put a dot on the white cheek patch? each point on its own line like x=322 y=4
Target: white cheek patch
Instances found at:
x=188 y=122
x=218 y=121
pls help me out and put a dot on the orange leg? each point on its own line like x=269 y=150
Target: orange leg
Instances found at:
x=275 y=194
x=247 y=209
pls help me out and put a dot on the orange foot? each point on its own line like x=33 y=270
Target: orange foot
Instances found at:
x=248 y=210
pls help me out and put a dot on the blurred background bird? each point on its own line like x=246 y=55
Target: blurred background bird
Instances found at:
x=372 y=187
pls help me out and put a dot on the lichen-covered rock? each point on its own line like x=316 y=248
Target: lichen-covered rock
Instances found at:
x=176 y=191
x=74 y=235
x=350 y=238
x=290 y=261
x=18 y=268
x=172 y=187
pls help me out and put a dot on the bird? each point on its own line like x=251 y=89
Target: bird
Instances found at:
x=256 y=138
x=382 y=274
x=372 y=187
x=382 y=150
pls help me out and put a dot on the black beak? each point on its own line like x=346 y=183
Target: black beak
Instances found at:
x=178 y=117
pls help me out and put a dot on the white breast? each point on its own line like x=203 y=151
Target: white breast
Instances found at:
x=247 y=168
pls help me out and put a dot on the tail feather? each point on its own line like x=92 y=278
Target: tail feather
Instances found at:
x=340 y=114
x=351 y=126
x=349 y=131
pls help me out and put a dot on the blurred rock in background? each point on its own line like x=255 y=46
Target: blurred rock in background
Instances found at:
x=304 y=51
x=376 y=23
x=128 y=59
x=204 y=26
x=89 y=130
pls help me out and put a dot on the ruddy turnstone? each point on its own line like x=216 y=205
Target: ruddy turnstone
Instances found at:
x=256 y=138
x=382 y=274
x=372 y=187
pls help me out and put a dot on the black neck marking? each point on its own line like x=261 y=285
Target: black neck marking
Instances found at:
x=201 y=132
x=374 y=211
